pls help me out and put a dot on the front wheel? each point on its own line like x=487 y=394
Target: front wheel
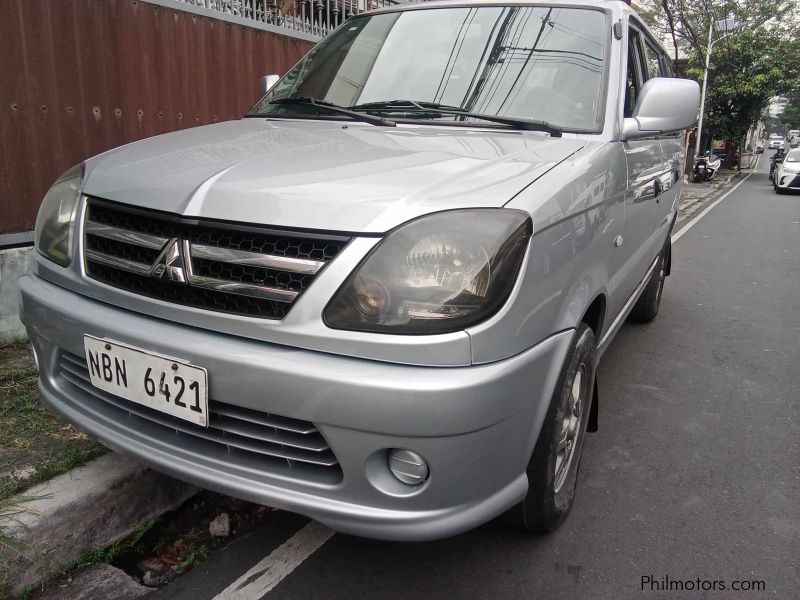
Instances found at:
x=553 y=467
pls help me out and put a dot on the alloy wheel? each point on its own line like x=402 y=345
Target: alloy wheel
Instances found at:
x=570 y=427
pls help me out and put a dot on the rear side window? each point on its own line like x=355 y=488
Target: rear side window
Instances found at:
x=652 y=60
x=666 y=66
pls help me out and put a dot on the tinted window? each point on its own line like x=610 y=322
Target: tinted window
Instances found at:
x=666 y=66
x=536 y=62
x=652 y=61
x=634 y=78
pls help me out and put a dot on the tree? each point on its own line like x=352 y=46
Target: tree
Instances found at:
x=749 y=68
x=791 y=113
x=687 y=22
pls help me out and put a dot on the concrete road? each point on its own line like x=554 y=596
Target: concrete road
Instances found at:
x=694 y=474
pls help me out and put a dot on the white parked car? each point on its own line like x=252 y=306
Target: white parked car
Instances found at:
x=787 y=172
x=775 y=142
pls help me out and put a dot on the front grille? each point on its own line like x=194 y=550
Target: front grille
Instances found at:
x=236 y=436
x=216 y=266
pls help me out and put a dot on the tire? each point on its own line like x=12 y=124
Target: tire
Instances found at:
x=646 y=307
x=779 y=190
x=553 y=467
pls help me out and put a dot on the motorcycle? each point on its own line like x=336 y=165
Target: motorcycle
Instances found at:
x=776 y=159
x=705 y=168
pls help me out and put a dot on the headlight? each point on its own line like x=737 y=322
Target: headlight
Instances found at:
x=54 y=230
x=436 y=274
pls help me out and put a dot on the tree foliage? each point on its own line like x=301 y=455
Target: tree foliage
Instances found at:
x=688 y=20
x=747 y=67
x=791 y=114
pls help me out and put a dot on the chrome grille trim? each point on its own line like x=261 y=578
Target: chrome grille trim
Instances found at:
x=119 y=263
x=126 y=236
x=218 y=266
x=233 y=287
x=254 y=259
x=298 y=442
x=243 y=289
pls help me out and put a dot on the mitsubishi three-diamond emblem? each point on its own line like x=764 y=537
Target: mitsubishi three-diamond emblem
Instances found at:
x=170 y=263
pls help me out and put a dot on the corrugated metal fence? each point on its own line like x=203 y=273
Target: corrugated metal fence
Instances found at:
x=79 y=77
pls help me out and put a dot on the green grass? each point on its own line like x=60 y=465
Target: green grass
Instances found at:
x=34 y=445
x=193 y=558
x=21 y=411
x=107 y=555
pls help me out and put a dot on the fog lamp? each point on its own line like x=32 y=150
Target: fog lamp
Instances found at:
x=409 y=467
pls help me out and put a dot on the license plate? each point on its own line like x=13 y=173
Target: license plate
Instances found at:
x=166 y=384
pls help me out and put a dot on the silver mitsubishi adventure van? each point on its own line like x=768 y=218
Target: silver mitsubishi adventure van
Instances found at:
x=380 y=297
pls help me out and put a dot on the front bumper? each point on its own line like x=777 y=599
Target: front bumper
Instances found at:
x=789 y=181
x=476 y=426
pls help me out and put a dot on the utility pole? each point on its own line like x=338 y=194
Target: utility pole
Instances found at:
x=710 y=47
x=711 y=41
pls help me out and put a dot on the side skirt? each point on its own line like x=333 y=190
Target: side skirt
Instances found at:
x=626 y=309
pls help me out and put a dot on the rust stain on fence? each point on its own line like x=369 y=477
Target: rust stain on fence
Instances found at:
x=84 y=76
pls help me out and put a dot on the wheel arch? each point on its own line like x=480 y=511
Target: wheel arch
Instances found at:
x=594 y=317
x=595 y=314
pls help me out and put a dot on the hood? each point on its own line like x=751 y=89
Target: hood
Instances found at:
x=323 y=175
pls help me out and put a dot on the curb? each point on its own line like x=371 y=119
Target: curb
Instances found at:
x=88 y=508
x=686 y=208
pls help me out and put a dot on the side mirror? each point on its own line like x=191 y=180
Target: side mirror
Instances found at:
x=267 y=81
x=665 y=105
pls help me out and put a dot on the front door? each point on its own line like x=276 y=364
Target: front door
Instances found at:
x=645 y=165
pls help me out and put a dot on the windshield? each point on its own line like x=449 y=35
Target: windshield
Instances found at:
x=528 y=62
x=793 y=156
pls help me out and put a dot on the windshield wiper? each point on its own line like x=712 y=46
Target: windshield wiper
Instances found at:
x=306 y=101
x=407 y=103
x=443 y=109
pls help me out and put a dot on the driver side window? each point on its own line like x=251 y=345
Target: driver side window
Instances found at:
x=634 y=78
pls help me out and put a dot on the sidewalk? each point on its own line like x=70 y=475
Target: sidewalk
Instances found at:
x=696 y=195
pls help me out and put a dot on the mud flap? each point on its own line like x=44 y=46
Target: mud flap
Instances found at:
x=593 y=413
x=668 y=270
